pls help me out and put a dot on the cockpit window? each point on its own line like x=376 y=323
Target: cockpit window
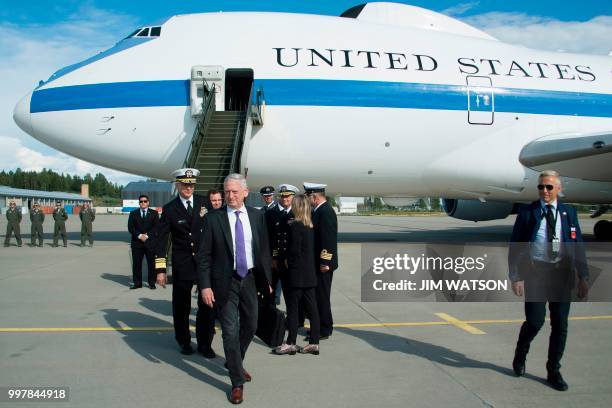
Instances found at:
x=146 y=32
x=134 y=33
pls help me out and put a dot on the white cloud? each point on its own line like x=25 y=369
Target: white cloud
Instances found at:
x=460 y=8
x=14 y=152
x=589 y=37
x=30 y=53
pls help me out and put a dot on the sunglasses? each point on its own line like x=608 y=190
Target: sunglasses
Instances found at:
x=143 y=201
x=549 y=187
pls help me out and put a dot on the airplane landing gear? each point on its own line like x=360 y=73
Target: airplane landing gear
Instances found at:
x=603 y=230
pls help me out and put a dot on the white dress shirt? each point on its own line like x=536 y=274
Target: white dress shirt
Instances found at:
x=248 y=234
x=184 y=201
x=283 y=209
x=539 y=252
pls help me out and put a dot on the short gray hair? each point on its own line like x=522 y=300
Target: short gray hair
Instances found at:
x=236 y=177
x=550 y=173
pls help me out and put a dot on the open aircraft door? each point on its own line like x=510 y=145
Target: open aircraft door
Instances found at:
x=481 y=100
x=203 y=77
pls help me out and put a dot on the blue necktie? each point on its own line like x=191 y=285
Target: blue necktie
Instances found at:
x=241 y=261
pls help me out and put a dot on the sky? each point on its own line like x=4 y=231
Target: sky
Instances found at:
x=37 y=38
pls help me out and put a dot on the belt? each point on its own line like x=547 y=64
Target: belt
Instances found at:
x=236 y=276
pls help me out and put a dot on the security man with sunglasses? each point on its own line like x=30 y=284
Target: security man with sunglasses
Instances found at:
x=546 y=252
x=141 y=225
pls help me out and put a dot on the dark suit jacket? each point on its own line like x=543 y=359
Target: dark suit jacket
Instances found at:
x=525 y=229
x=325 y=236
x=186 y=234
x=137 y=226
x=216 y=254
x=301 y=272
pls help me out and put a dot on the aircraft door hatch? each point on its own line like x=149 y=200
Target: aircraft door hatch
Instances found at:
x=238 y=84
x=203 y=77
x=481 y=100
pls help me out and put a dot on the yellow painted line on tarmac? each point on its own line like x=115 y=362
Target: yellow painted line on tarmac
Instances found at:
x=79 y=329
x=447 y=321
x=460 y=323
x=399 y=324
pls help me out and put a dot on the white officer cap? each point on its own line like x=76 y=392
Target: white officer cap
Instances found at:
x=187 y=176
x=287 y=189
x=314 y=187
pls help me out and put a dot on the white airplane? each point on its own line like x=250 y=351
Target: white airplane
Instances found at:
x=388 y=99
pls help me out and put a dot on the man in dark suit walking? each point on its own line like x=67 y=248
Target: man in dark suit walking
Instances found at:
x=182 y=220
x=543 y=269
x=141 y=225
x=233 y=265
x=325 y=225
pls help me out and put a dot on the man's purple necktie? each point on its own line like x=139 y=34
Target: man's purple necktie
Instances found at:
x=241 y=261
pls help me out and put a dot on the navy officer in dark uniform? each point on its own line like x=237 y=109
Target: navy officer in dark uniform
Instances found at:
x=182 y=219
x=278 y=219
x=325 y=225
x=267 y=193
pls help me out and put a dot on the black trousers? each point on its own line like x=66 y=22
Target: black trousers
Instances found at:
x=323 y=292
x=181 y=309
x=277 y=284
x=138 y=253
x=535 y=312
x=308 y=298
x=238 y=317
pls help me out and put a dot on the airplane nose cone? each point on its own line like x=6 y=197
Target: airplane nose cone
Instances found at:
x=21 y=114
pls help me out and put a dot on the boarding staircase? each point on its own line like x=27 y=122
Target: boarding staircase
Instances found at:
x=218 y=139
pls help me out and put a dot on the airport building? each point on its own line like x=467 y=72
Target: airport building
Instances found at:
x=159 y=193
x=26 y=198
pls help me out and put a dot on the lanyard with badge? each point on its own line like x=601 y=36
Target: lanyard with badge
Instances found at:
x=555 y=241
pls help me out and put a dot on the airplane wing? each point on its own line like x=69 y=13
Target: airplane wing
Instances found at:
x=583 y=156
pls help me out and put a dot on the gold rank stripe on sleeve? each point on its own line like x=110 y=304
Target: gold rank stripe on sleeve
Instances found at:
x=326 y=255
x=274 y=252
x=160 y=263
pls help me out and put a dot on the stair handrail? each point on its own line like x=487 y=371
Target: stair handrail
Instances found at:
x=208 y=106
x=260 y=102
x=240 y=135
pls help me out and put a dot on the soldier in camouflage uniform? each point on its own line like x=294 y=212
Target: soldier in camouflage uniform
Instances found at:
x=60 y=217
x=13 y=216
x=37 y=217
x=87 y=216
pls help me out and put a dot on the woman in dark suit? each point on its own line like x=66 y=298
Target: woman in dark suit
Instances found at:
x=300 y=279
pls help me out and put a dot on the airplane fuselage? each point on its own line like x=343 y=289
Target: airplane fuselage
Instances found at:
x=367 y=108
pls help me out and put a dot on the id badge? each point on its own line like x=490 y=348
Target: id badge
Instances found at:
x=556 y=245
x=573 y=232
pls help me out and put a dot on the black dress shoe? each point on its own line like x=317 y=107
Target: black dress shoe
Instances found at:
x=207 y=352
x=152 y=286
x=135 y=287
x=555 y=380
x=187 y=349
x=518 y=365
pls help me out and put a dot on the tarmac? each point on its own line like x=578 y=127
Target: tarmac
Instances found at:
x=68 y=319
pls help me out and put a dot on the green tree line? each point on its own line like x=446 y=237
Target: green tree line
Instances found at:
x=48 y=180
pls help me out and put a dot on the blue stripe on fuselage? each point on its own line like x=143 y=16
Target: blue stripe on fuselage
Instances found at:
x=320 y=92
